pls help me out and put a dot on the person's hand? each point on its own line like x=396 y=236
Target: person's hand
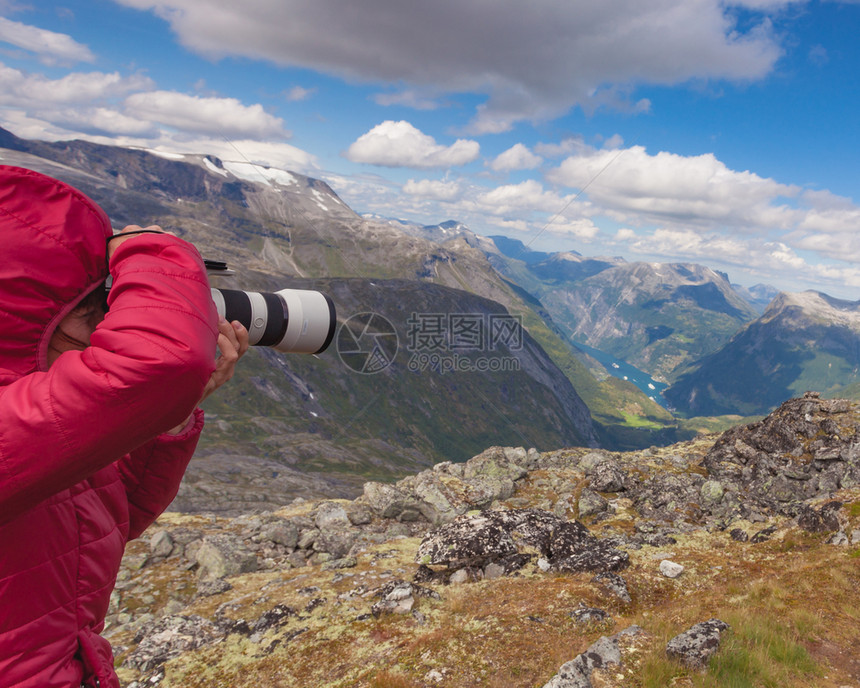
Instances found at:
x=131 y=231
x=232 y=345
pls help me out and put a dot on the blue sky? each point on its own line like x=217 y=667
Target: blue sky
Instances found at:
x=704 y=131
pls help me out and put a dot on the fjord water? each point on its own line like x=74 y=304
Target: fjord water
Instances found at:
x=625 y=371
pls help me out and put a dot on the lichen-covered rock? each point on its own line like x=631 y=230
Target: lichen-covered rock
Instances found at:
x=671 y=569
x=607 y=476
x=590 y=503
x=169 y=637
x=476 y=540
x=384 y=500
x=331 y=516
x=822 y=520
x=614 y=584
x=711 y=492
x=359 y=512
x=161 y=544
x=588 y=615
x=604 y=653
x=496 y=462
x=335 y=541
x=223 y=555
x=806 y=449
x=280 y=532
x=398 y=597
x=442 y=497
x=695 y=647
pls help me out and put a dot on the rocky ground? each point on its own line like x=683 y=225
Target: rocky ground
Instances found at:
x=729 y=560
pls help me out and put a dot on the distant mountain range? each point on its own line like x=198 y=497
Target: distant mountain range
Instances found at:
x=656 y=316
x=724 y=349
x=293 y=425
x=806 y=341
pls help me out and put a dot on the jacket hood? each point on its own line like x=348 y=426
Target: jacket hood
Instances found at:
x=53 y=254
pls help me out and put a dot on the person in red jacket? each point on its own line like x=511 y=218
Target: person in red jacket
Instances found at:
x=98 y=414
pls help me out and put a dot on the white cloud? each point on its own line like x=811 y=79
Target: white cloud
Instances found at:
x=214 y=116
x=36 y=91
x=399 y=144
x=569 y=146
x=522 y=60
x=636 y=187
x=103 y=120
x=50 y=47
x=517 y=157
x=96 y=102
x=773 y=261
x=582 y=228
x=299 y=93
x=529 y=197
x=433 y=189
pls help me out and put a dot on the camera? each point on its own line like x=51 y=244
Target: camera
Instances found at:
x=299 y=321
x=290 y=320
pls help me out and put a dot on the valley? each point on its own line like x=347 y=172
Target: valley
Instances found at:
x=313 y=426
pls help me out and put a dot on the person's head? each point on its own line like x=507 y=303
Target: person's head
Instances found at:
x=74 y=331
x=53 y=255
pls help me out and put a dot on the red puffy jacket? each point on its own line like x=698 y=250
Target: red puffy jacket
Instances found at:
x=84 y=466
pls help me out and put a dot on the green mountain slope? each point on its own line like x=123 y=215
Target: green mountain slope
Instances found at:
x=657 y=317
x=294 y=424
x=802 y=342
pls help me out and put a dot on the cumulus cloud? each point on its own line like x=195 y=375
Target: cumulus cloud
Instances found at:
x=433 y=189
x=50 y=47
x=37 y=91
x=90 y=102
x=103 y=120
x=530 y=197
x=761 y=259
x=568 y=146
x=637 y=187
x=520 y=59
x=517 y=157
x=214 y=116
x=399 y=144
x=133 y=133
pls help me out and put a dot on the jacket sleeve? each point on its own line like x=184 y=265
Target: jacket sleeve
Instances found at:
x=143 y=373
x=152 y=473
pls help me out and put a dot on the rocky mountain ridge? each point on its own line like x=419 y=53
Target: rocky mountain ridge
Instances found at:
x=656 y=316
x=567 y=568
x=802 y=341
x=284 y=229
x=281 y=229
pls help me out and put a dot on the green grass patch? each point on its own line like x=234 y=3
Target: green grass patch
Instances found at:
x=639 y=421
x=760 y=651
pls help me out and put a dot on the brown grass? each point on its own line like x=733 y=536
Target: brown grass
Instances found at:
x=792 y=602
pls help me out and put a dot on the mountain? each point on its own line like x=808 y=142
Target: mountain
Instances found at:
x=514 y=248
x=656 y=316
x=293 y=425
x=805 y=341
x=758 y=296
x=439 y=233
x=626 y=417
